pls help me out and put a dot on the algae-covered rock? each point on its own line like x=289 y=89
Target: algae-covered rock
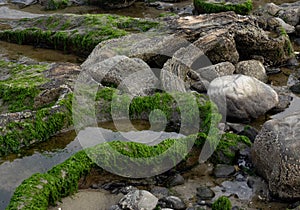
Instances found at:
x=78 y=34
x=212 y=6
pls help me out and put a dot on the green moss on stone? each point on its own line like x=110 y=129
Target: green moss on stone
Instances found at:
x=20 y=88
x=74 y=33
x=222 y=203
x=204 y=6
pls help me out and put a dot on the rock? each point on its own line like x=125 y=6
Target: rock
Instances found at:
x=175 y=180
x=127 y=189
x=246 y=97
x=295 y=88
x=172 y=202
x=115 y=207
x=270 y=71
x=173 y=75
x=250 y=132
x=161 y=5
x=131 y=75
x=116 y=4
x=229 y=37
x=223 y=171
x=290 y=15
x=205 y=193
x=160 y=192
x=139 y=199
x=287 y=27
x=218 y=46
x=214 y=6
x=298 y=31
x=252 y=68
x=211 y=72
x=272 y=8
x=276 y=156
x=240 y=189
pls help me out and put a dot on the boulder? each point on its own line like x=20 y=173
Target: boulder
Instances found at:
x=212 y=6
x=229 y=37
x=211 y=72
x=252 y=68
x=139 y=199
x=246 y=97
x=131 y=75
x=276 y=156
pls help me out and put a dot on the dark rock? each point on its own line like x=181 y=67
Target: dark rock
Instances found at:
x=272 y=70
x=138 y=199
x=115 y=207
x=116 y=4
x=246 y=97
x=223 y=171
x=276 y=156
x=175 y=180
x=295 y=88
x=250 y=132
x=172 y=202
x=160 y=192
x=205 y=193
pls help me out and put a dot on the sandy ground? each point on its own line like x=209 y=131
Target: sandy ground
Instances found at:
x=88 y=200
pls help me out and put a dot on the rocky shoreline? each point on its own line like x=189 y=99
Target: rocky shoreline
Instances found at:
x=224 y=57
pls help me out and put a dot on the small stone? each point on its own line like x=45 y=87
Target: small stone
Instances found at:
x=205 y=193
x=273 y=71
x=126 y=190
x=272 y=8
x=295 y=88
x=115 y=207
x=223 y=171
x=172 y=202
x=175 y=180
x=160 y=192
x=139 y=199
x=252 y=68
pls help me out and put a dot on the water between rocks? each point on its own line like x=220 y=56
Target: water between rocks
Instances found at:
x=40 y=158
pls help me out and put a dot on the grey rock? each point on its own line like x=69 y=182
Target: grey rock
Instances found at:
x=115 y=207
x=295 y=88
x=139 y=199
x=246 y=97
x=172 y=202
x=205 y=193
x=252 y=68
x=223 y=171
x=211 y=72
x=290 y=15
x=276 y=156
x=160 y=192
x=287 y=27
x=272 y=9
x=131 y=75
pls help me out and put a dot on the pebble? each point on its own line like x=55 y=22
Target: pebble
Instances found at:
x=223 y=171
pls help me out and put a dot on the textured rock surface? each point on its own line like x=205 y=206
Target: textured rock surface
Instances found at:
x=276 y=156
x=252 y=68
x=139 y=199
x=246 y=97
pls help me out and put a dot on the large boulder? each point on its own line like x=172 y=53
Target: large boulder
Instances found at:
x=227 y=33
x=246 y=97
x=276 y=155
x=131 y=75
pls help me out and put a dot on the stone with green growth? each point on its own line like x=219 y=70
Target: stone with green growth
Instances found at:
x=222 y=203
x=78 y=34
x=214 y=6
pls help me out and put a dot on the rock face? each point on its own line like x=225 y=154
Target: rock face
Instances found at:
x=252 y=68
x=246 y=97
x=233 y=37
x=139 y=199
x=276 y=156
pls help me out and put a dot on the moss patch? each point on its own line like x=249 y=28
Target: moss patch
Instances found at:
x=222 y=203
x=205 y=6
x=78 y=34
x=141 y=107
x=20 y=88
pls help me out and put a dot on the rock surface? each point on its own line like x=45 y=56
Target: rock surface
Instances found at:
x=246 y=97
x=139 y=199
x=276 y=156
x=252 y=68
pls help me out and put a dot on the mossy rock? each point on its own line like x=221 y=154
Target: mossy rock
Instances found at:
x=78 y=34
x=41 y=190
x=214 y=6
x=222 y=203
